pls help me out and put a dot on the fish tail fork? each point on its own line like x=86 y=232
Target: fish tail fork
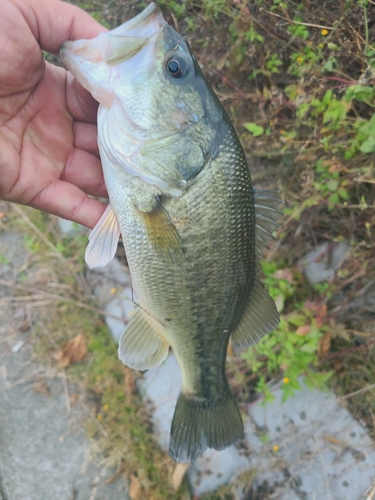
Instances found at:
x=204 y=423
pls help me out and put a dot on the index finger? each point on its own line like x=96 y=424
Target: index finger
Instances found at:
x=52 y=22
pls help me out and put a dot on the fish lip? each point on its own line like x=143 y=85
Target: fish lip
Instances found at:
x=96 y=62
x=138 y=31
x=151 y=13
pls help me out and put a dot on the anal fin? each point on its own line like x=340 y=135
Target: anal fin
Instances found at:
x=103 y=240
x=259 y=318
x=141 y=347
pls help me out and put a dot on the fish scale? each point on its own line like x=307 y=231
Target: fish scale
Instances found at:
x=205 y=294
x=181 y=195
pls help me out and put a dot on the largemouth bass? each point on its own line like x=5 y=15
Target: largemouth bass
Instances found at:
x=181 y=196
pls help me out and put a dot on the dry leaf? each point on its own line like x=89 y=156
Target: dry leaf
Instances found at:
x=303 y=330
x=284 y=274
x=135 y=488
x=321 y=314
x=221 y=62
x=42 y=388
x=24 y=326
x=324 y=344
x=73 y=399
x=178 y=475
x=74 y=351
x=338 y=366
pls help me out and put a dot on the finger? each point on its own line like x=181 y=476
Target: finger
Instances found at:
x=68 y=201
x=85 y=137
x=84 y=170
x=81 y=105
x=53 y=22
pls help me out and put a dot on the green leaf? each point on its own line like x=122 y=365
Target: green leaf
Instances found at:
x=309 y=348
x=330 y=64
x=343 y=193
x=368 y=146
x=291 y=91
x=327 y=98
x=332 y=185
x=297 y=320
x=333 y=199
x=255 y=129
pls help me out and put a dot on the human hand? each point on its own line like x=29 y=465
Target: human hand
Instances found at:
x=48 y=148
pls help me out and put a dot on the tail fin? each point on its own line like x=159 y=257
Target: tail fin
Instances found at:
x=198 y=424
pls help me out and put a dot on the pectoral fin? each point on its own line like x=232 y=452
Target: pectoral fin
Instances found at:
x=103 y=240
x=141 y=347
x=161 y=231
x=259 y=318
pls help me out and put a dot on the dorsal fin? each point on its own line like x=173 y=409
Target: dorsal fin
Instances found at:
x=266 y=203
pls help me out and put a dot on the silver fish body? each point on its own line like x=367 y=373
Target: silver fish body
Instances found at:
x=181 y=196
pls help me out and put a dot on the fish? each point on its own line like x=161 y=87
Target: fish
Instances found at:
x=193 y=226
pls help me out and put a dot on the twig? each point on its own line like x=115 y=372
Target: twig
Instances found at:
x=66 y=392
x=371 y=494
x=48 y=334
x=119 y=471
x=366 y=28
x=324 y=470
x=360 y=391
x=36 y=230
x=59 y=298
x=29 y=378
x=23 y=298
x=298 y=22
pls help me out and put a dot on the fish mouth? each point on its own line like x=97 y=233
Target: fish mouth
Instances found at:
x=93 y=62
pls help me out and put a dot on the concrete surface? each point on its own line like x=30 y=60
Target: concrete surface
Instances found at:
x=323 y=452
x=44 y=454
x=322 y=263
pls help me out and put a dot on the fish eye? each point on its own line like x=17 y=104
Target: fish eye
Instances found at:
x=176 y=67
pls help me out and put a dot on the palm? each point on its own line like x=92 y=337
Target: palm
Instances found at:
x=48 y=150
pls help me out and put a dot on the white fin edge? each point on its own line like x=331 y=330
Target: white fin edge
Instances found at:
x=103 y=240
